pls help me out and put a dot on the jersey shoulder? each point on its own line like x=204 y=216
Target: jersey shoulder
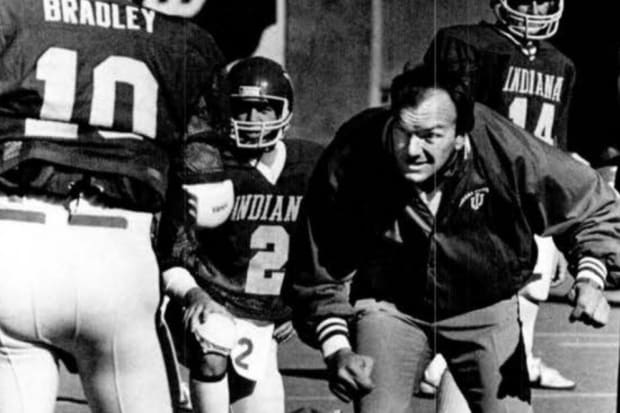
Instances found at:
x=554 y=56
x=480 y=36
x=200 y=162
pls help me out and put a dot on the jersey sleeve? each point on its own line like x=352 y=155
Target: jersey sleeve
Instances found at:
x=205 y=61
x=565 y=108
x=196 y=162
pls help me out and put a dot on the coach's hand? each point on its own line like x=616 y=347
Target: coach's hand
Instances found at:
x=590 y=304
x=349 y=374
x=198 y=305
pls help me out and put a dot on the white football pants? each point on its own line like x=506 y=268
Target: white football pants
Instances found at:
x=85 y=282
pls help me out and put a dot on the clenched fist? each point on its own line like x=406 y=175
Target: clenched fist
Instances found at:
x=349 y=374
x=590 y=304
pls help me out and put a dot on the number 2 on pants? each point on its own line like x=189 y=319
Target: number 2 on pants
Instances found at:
x=248 y=346
x=254 y=348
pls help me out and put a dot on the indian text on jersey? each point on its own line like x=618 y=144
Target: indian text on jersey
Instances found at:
x=261 y=207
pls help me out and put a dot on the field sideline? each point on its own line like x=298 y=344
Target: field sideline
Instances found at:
x=587 y=355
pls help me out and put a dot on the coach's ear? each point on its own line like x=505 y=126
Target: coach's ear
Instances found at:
x=210 y=203
x=459 y=142
x=181 y=8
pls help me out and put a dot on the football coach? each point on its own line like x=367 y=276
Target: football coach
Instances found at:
x=416 y=234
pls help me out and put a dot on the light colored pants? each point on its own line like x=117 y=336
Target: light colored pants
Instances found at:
x=85 y=282
x=483 y=349
x=265 y=395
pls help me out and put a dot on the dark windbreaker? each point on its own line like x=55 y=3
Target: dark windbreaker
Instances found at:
x=363 y=232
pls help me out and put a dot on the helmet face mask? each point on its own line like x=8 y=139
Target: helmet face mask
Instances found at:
x=261 y=103
x=528 y=25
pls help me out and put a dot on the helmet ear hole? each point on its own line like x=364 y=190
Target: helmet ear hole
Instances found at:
x=259 y=81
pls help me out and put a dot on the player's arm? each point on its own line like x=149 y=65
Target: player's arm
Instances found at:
x=199 y=195
x=561 y=129
x=208 y=191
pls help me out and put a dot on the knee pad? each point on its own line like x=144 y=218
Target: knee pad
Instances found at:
x=209 y=368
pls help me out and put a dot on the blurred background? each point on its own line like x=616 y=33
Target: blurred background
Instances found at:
x=342 y=55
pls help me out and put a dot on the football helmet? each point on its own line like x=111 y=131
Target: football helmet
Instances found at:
x=258 y=80
x=528 y=25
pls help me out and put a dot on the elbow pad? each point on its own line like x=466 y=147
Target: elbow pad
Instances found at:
x=212 y=203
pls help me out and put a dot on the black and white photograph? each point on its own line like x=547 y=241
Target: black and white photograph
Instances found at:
x=309 y=206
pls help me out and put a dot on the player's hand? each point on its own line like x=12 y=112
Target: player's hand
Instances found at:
x=284 y=332
x=590 y=304
x=349 y=374
x=198 y=305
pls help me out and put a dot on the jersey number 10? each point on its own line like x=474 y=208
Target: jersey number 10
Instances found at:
x=58 y=68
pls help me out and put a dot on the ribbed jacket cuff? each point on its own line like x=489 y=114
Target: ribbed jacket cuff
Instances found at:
x=333 y=335
x=592 y=269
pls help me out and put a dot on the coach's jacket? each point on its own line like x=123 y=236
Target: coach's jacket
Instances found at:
x=364 y=232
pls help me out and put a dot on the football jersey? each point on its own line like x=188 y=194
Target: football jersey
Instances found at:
x=533 y=92
x=101 y=87
x=242 y=262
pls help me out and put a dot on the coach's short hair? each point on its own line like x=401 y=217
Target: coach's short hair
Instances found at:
x=409 y=87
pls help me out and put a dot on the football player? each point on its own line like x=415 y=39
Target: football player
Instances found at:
x=510 y=67
x=93 y=102
x=237 y=249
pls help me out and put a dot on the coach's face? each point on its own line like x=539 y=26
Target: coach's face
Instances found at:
x=424 y=136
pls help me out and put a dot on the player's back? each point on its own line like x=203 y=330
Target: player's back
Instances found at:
x=98 y=85
x=532 y=90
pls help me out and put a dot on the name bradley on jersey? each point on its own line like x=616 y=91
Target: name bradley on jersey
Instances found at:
x=533 y=82
x=266 y=207
x=99 y=14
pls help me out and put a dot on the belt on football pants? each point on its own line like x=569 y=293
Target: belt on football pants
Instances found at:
x=72 y=219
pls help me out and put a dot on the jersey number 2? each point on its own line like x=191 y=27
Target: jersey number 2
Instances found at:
x=265 y=273
x=58 y=68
